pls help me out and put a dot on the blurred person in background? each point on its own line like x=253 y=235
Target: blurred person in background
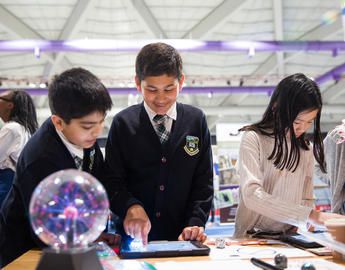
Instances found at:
x=18 y=112
x=334 y=145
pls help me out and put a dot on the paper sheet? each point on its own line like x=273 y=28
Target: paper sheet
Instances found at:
x=205 y=265
x=295 y=264
x=261 y=252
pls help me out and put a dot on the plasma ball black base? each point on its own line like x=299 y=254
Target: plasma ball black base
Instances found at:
x=78 y=259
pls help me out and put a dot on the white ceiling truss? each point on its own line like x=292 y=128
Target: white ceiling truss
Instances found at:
x=211 y=20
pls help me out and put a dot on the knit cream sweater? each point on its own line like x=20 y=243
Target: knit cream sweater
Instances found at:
x=271 y=199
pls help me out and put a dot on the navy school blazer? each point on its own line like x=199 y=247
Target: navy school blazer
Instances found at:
x=43 y=155
x=173 y=183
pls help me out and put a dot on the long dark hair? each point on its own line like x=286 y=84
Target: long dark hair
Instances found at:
x=294 y=94
x=24 y=111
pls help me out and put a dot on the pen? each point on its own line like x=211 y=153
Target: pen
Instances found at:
x=263 y=265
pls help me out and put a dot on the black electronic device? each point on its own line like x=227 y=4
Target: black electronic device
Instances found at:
x=163 y=249
x=300 y=241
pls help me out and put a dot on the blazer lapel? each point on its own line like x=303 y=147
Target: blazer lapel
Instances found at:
x=147 y=129
x=66 y=159
x=177 y=129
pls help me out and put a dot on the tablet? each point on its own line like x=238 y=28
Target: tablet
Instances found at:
x=130 y=249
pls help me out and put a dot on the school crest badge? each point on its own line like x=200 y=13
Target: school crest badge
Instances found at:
x=191 y=146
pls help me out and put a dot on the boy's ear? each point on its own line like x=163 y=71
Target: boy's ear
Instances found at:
x=137 y=83
x=58 y=122
x=181 y=83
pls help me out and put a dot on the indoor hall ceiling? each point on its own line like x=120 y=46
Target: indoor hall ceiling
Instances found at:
x=213 y=20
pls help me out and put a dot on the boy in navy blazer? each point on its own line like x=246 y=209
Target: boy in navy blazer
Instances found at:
x=159 y=172
x=78 y=102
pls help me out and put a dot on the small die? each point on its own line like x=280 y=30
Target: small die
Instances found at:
x=220 y=242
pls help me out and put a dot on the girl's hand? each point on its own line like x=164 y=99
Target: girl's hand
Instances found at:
x=319 y=218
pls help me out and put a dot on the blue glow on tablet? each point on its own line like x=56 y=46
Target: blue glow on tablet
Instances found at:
x=137 y=245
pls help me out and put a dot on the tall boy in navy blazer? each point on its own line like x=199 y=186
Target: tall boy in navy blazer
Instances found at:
x=78 y=101
x=163 y=191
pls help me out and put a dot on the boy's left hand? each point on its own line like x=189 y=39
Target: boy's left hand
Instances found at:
x=193 y=233
x=113 y=240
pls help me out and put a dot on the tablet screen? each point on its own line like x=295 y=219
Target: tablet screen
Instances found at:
x=163 y=248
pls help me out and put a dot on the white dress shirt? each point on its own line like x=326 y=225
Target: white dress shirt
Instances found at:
x=72 y=148
x=13 y=138
x=171 y=113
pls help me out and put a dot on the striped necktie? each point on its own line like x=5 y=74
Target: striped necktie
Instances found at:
x=78 y=162
x=162 y=132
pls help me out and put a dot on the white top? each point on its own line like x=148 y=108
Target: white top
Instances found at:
x=72 y=148
x=13 y=138
x=271 y=199
x=334 y=145
x=171 y=113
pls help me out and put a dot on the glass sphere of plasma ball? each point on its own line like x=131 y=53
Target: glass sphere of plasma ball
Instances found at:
x=69 y=209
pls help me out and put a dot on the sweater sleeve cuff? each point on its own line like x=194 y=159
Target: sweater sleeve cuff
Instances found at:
x=122 y=203
x=303 y=218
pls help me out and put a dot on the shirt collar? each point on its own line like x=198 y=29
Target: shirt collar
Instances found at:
x=72 y=148
x=171 y=113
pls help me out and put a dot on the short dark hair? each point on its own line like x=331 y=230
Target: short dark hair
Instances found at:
x=294 y=94
x=157 y=59
x=76 y=93
x=23 y=111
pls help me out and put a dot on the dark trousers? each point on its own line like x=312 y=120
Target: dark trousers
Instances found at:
x=6 y=181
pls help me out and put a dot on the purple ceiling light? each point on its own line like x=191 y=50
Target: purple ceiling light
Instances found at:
x=334 y=74
x=228 y=90
x=250 y=47
x=98 y=45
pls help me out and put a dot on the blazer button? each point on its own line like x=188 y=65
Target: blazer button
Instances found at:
x=164 y=160
x=161 y=187
x=158 y=214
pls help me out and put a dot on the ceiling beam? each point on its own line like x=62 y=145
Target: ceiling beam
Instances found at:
x=46 y=71
x=16 y=27
x=320 y=32
x=323 y=31
x=214 y=19
x=20 y=30
x=331 y=94
x=72 y=26
x=334 y=73
x=275 y=60
x=143 y=14
x=278 y=33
